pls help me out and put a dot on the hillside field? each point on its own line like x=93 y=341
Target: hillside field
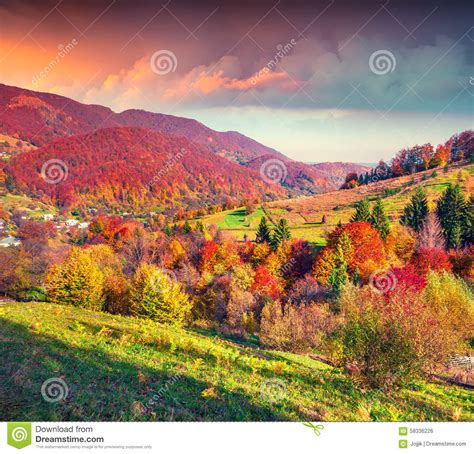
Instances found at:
x=304 y=214
x=114 y=365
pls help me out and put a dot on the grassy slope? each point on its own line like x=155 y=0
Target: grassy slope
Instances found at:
x=111 y=363
x=33 y=208
x=304 y=214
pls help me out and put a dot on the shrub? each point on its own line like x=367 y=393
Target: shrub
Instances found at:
x=304 y=291
x=77 y=281
x=451 y=303
x=117 y=294
x=400 y=243
x=387 y=340
x=430 y=259
x=296 y=329
x=387 y=192
x=463 y=263
x=405 y=279
x=240 y=314
x=377 y=353
x=156 y=295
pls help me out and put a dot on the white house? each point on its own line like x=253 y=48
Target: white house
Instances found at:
x=71 y=222
x=83 y=225
x=48 y=217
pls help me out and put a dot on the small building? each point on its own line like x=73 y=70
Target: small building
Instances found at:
x=48 y=217
x=83 y=225
x=71 y=222
x=10 y=241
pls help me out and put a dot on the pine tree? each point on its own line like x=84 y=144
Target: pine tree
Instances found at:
x=362 y=211
x=186 y=227
x=263 y=232
x=167 y=230
x=416 y=211
x=468 y=227
x=280 y=234
x=379 y=219
x=454 y=216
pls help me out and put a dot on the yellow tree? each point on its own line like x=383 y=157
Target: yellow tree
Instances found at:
x=77 y=281
x=157 y=295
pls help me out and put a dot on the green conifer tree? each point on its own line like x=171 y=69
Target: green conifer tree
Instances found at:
x=454 y=215
x=416 y=211
x=280 y=234
x=379 y=219
x=186 y=227
x=362 y=211
x=263 y=232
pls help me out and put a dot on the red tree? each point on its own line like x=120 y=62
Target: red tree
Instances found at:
x=366 y=243
x=208 y=255
x=430 y=259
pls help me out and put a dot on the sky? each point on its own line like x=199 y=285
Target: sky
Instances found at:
x=330 y=80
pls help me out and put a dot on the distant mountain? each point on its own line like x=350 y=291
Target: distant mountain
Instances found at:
x=336 y=171
x=297 y=177
x=43 y=118
x=133 y=168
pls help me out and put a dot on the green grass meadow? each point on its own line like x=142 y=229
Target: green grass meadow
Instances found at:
x=114 y=366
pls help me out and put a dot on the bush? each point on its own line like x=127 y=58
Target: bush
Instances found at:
x=377 y=353
x=463 y=263
x=156 y=295
x=450 y=302
x=400 y=243
x=240 y=315
x=304 y=291
x=387 y=340
x=296 y=329
x=77 y=281
x=387 y=192
x=117 y=294
x=430 y=259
